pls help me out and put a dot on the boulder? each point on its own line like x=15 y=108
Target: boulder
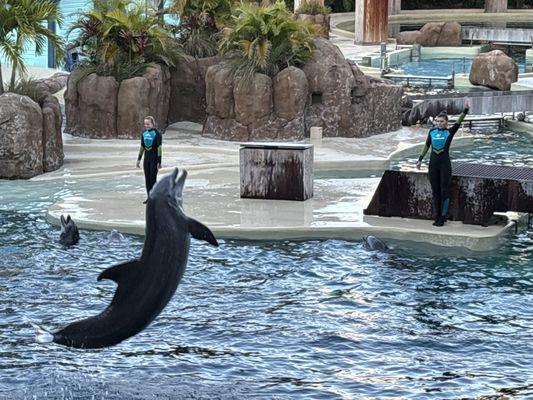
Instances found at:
x=100 y=107
x=219 y=92
x=253 y=100
x=290 y=91
x=408 y=37
x=54 y=83
x=441 y=34
x=328 y=91
x=331 y=80
x=21 y=130
x=132 y=106
x=188 y=90
x=52 y=141
x=97 y=107
x=158 y=78
x=72 y=116
x=494 y=70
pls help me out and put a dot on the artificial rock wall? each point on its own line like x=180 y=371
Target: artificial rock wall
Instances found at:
x=329 y=91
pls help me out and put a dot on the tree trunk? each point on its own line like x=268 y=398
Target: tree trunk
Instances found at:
x=13 y=76
x=1 y=80
x=495 y=6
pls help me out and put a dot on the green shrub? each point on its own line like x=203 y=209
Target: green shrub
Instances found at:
x=266 y=40
x=121 y=37
x=313 y=8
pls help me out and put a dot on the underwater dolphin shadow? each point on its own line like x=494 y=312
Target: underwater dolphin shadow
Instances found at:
x=145 y=285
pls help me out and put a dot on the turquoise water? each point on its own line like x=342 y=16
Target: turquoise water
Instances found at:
x=300 y=320
x=444 y=67
x=490 y=147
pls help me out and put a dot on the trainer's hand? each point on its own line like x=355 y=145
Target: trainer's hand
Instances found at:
x=467 y=102
x=158 y=167
x=138 y=164
x=418 y=164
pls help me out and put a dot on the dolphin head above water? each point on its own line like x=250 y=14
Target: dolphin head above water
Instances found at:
x=144 y=286
x=69 y=234
x=373 y=243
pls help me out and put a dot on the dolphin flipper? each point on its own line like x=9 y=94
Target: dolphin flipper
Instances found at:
x=201 y=232
x=121 y=272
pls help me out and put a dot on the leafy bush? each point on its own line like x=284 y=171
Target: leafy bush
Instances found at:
x=121 y=37
x=200 y=22
x=313 y=8
x=266 y=40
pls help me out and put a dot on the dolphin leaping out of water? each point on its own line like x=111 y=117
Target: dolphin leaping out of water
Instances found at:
x=146 y=285
x=373 y=243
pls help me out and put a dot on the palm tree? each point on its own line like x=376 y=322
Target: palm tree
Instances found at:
x=117 y=31
x=21 y=24
x=266 y=40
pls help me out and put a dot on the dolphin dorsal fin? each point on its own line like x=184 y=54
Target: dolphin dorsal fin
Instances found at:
x=120 y=272
x=201 y=232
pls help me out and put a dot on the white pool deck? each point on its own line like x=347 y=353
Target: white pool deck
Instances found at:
x=212 y=189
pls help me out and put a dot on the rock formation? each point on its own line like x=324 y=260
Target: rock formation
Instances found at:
x=433 y=34
x=329 y=91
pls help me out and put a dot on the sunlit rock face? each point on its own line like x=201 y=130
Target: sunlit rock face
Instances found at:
x=328 y=91
x=494 y=69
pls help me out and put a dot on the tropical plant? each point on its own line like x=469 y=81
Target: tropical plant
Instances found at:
x=22 y=23
x=266 y=40
x=313 y=7
x=122 y=31
x=200 y=23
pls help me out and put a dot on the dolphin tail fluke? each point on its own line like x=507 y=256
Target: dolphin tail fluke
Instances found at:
x=41 y=334
x=201 y=232
x=121 y=272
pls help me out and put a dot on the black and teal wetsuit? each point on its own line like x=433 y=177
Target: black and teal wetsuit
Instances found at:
x=440 y=166
x=151 y=144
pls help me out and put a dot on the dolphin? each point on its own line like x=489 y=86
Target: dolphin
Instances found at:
x=373 y=243
x=115 y=236
x=69 y=234
x=145 y=285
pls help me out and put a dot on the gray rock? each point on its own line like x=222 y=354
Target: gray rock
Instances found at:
x=219 y=92
x=97 y=107
x=133 y=105
x=253 y=100
x=290 y=91
x=21 y=130
x=52 y=141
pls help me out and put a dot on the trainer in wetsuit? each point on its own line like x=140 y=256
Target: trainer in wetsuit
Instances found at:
x=440 y=166
x=151 y=142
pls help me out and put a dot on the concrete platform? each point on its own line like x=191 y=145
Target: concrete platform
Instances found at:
x=212 y=191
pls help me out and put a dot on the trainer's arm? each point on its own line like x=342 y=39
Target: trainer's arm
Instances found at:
x=141 y=152
x=159 y=148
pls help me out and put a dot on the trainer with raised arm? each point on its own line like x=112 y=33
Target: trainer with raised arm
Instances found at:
x=440 y=166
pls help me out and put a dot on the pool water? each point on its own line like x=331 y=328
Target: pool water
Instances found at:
x=305 y=320
x=509 y=148
x=445 y=66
